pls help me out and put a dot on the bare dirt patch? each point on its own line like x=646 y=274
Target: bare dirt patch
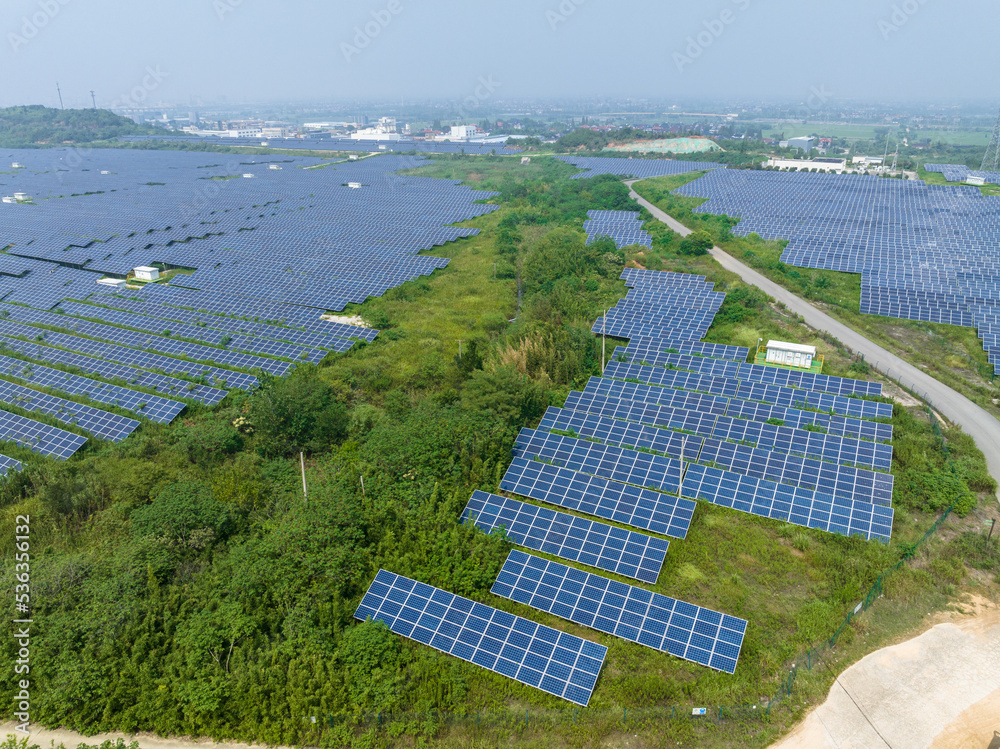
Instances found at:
x=346 y=319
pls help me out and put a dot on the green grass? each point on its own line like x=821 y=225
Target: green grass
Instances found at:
x=429 y=317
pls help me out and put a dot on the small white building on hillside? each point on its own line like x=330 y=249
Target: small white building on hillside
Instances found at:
x=790 y=354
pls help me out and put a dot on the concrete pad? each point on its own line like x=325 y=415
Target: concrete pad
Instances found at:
x=940 y=689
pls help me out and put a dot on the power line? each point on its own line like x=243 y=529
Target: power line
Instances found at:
x=991 y=164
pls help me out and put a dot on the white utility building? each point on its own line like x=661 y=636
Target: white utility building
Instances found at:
x=146 y=273
x=790 y=354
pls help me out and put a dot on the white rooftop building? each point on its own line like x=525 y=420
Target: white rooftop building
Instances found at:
x=146 y=273
x=790 y=354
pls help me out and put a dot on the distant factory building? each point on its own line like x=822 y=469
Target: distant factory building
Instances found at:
x=805 y=143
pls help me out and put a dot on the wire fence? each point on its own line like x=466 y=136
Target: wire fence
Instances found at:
x=728 y=717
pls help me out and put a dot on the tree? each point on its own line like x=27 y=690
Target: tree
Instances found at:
x=697 y=243
x=298 y=412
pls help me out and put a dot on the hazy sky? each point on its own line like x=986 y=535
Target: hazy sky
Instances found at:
x=173 y=50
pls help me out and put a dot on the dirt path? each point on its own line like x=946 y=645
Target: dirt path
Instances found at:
x=939 y=690
x=71 y=739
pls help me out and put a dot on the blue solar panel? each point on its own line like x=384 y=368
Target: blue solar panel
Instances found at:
x=791 y=504
x=530 y=653
x=651 y=619
x=593 y=495
x=627 y=466
x=37 y=437
x=151 y=407
x=600 y=545
x=99 y=423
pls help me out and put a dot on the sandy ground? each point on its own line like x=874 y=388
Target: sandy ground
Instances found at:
x=939 y=690
x=70 y=739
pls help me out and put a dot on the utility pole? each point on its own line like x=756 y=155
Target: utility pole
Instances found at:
x=302 y=461
x=60 y=96
x=93 y=98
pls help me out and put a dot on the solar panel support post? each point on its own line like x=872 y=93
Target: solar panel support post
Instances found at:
x=302 y=462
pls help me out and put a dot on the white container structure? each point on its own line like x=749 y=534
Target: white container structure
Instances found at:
x=146 y=273
x=115 y=283
x=790 y=354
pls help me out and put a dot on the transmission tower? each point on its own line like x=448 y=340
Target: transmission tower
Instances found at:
x=991 y=159
x=93 y=99
x=60 y=95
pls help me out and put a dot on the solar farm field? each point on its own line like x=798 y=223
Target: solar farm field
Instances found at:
x=267 y=247
x=954 y=354
x=537 y=523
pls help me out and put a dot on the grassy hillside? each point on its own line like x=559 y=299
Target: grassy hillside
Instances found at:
x=35 y=125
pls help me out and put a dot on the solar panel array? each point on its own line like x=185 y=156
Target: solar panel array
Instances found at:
x=775 y=442
x=622 y=227
x=316 y=143
x=586 y=541
x=924 y=252
x=637 y=168
x=262 y=260
x=639 y=454
x=651 y=619
x=960 y=173
x=539 y=656
x=37 y=437
x=671 y=307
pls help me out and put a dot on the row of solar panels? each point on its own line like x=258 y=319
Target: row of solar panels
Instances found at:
x=925 y=252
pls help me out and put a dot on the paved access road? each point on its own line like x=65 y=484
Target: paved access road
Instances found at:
x=974 y=420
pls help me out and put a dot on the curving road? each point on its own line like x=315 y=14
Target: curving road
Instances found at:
x=974 y=420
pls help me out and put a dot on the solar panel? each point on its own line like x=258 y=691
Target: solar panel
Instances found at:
x=99 y=423
x=593 y=495
x=533 y=654
x=37 y=437
x=627 y=466
x=792 y=504
x=9 y=464
x=666 y=624
x=579 y=540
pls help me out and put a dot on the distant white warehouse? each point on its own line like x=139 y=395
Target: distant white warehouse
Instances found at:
x=806 y=143
x=794 y=165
